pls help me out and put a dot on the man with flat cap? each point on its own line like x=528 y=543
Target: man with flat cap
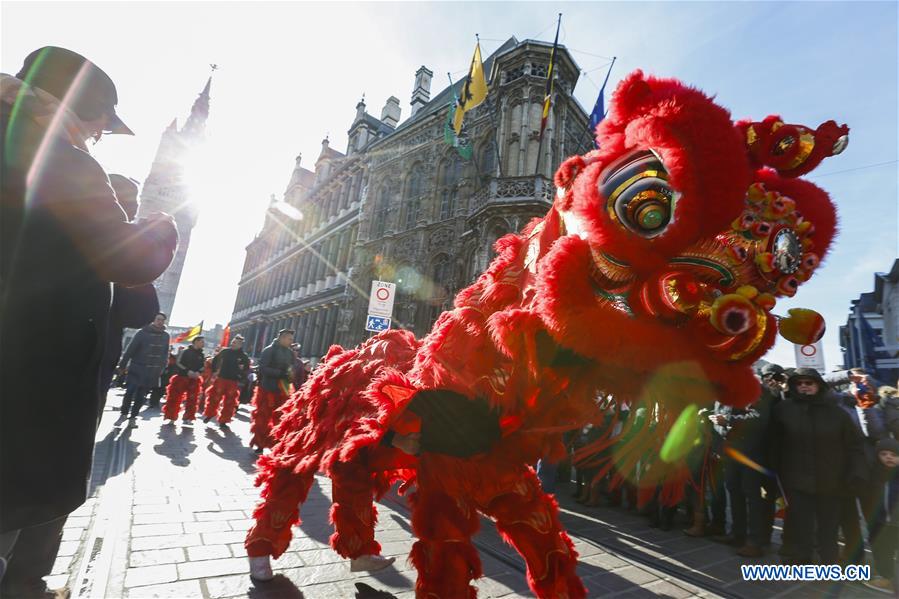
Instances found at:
x=64 y=240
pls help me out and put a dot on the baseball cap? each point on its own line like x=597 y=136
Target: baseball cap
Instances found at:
x=56 y=70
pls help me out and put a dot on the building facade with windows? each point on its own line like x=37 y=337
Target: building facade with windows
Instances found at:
x=870 y=337
x=402 y=205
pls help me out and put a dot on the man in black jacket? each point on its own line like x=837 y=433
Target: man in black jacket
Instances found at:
x=229 y=368
x=186 y=383
x=818 y=455
x=274 y=385
x=63 y=240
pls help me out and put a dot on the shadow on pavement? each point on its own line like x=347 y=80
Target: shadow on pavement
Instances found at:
x=279 y=587
x=364 y=591
x=117 y=442
x=176 y=446
x=227 y=445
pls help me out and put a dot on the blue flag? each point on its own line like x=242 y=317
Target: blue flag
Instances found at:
x=597 y=114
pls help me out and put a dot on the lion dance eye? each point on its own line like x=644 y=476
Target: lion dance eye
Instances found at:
x=637 y=193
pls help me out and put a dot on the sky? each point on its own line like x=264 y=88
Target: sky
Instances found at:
x=291 y=74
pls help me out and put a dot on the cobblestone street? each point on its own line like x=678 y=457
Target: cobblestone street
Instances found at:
x=171 y=504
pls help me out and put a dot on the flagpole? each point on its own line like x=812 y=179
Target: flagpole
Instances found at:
x=550 y=74
x=603 y=115
x=493 y=116
x=609 y=72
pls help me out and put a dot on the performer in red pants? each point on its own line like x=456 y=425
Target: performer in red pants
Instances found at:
x=186 y=383
x=228 y=367
x=273 y=389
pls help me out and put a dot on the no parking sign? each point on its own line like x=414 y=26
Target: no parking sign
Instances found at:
x=380 y=303
x=380 y=306
x=810 y=356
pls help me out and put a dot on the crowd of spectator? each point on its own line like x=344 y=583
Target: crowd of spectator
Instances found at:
x=819 y=452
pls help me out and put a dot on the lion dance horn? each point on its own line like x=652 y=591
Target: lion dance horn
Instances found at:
x=792 y=150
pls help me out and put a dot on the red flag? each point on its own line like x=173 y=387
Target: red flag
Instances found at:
x=226 y=337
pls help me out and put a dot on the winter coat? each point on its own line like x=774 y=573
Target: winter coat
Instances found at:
x=874 y=430
x=191 y=360
x=274 y=366
x=132 y=307
x=890 y=407
x=64 y=240
x=146 y=357
x=748 y=430
x=887 y=484
x=816 y=447
x=231 y=364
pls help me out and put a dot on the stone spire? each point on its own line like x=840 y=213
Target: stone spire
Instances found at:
x=196 y=122
x=360 y=109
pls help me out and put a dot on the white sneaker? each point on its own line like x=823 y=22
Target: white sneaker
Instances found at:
x=261 y=568
x=370 y=563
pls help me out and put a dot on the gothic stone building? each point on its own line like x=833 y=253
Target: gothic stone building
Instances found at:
x=401 y=205
x=165 y=190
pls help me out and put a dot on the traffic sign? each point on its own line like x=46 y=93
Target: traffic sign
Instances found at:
x=380 y=303
x=810 y=356
x=376 y=324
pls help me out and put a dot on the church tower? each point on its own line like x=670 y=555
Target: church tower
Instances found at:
x=165 y=190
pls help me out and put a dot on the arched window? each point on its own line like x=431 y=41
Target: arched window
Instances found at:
x=379 y=218
x=448 y=179
x=487 y=158
x=498 y=228
x=441 y=273
x=414 y=190
x=441 y=281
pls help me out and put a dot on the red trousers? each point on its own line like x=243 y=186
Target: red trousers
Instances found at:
x=265 y=415
x=180 y=386
x=222 y=389
x=452 y=492
x=353 y=512
x=446 y=507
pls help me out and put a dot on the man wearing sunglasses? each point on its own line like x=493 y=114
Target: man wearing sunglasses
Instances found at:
x=819 y=457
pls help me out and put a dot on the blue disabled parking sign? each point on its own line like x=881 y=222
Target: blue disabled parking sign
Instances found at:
x=377 y=323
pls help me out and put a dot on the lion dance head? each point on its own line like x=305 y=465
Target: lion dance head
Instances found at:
x=668 y=247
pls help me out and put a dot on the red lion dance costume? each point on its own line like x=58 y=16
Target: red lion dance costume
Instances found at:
x=652 y=277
